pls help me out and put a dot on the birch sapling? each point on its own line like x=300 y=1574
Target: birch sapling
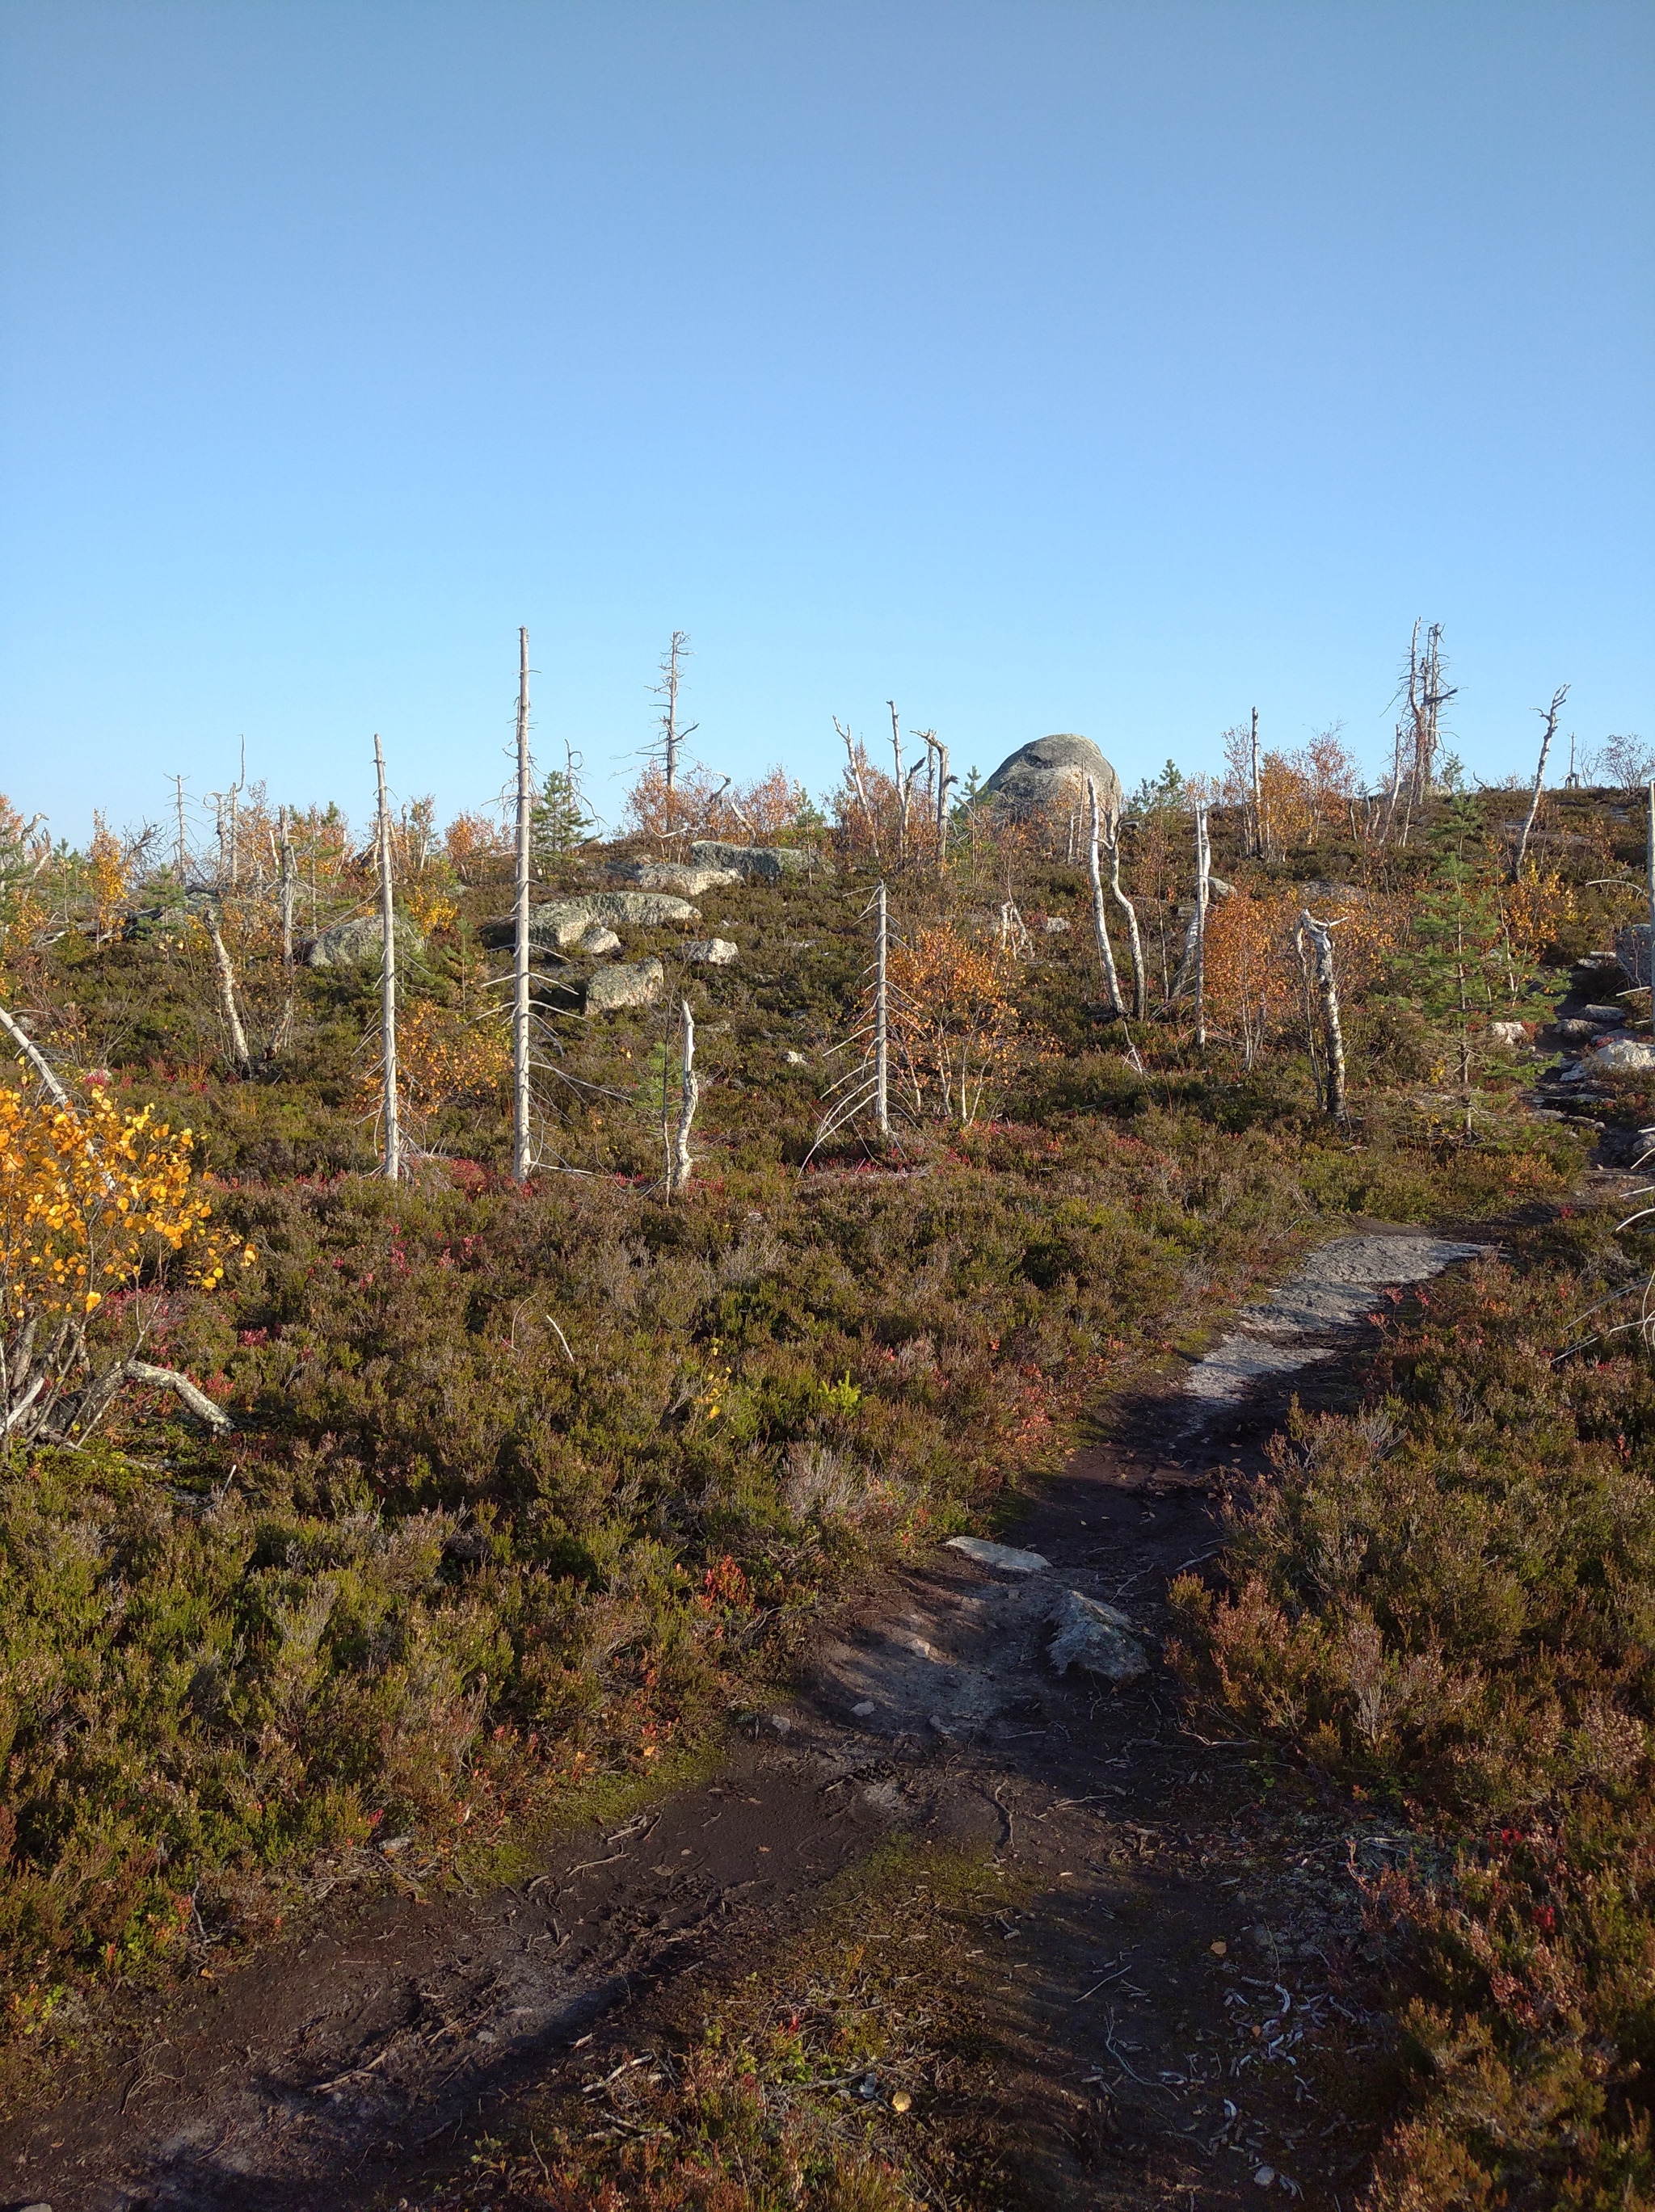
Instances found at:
x=392 y=1116
x=519 y=1029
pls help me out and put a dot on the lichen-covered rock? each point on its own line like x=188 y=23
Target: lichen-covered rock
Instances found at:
x=1626 y=1052
x=1053 y=770
x=360 y=943
x=712 y=951
x=628 y=983
x=599 y=938
x=754 y=864
x=1097 y=1639
x=1006 y=1558
x=673 y=876
x=562 y=922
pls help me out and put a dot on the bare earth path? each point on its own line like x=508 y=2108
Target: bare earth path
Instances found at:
x=1183 y=1996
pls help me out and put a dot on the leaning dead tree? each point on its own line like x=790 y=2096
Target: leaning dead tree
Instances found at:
x=520 y=1026
x=232 y=1013
x=855 y=754
x=1549 y=716
x=1112 y=998
x=391 y=1113
x=1134 y=941
x=1314 y=941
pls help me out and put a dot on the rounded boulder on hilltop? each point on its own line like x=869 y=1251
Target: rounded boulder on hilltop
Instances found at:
x=1052 y=769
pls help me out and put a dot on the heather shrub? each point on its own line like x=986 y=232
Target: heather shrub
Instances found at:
x=1451 y=1599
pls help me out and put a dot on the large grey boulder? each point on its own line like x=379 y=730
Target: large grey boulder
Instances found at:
x=672 y=876
x=1054 y=770
x=754 y=864
x=562 y=922
x=635 y=983
x=360 y=943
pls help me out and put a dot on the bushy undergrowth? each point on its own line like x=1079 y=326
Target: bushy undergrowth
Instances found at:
x=523 y=1484
x=1451 y=1599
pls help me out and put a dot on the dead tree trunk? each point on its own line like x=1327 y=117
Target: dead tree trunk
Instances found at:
x=860 y=787
x=1258 y=797
x=1319 y=935
x=1203 y=876
x=519 y=1025
x=238 y=1053
x=882 y=1019
x=1112 y=998
x=393 y=1118
x=682 y=1165
x=1550 y=715
x=1140 y=979
x=289 y=887
x=943 y=781
x=38 y=1061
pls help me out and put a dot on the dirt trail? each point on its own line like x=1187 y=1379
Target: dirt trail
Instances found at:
x=1183 y=1983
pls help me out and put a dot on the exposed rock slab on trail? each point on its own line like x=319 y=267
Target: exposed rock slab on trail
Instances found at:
x=1333 y=1290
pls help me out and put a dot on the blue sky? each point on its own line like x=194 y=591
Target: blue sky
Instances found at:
x=1044 y=366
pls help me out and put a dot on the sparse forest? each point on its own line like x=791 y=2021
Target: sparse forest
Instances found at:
x=479 y=1299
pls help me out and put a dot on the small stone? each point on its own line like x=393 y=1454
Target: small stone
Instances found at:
x=1509 y=1033
x=1097 y=1639
x=600 y=939
x=862 y=1711
x=711 y=952
x=1265 y=2177
x=780 y=1722
x=1005 y=1557
x=795 y=1059
x=1603 y=1018
x=868 y=2086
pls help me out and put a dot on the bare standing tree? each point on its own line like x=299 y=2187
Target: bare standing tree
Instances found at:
x=856 y=779
x=1112 y=998
x=238 y=1053
x=671 y=734
x=1314 y=942
x=882 y=1015
x=1203 y=879
x=1258 y=796
x=519 y=1032
x=1140 y=981
x=393 y=1120
x=1549 y=715
x=681 y=1166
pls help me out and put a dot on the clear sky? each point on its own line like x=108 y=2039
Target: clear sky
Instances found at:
x=1047 y=366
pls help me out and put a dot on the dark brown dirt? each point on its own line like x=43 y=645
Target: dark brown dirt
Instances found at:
x=1183 y=2002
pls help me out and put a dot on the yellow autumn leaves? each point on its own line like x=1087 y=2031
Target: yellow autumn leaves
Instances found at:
x=87 y=1194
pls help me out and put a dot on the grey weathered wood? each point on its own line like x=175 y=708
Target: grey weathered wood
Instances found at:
x=1112 y=997
x=519 y=1025
x=36 y=1058
x=393 y=1117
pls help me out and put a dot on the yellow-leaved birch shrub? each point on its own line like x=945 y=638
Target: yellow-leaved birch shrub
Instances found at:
x=94 y=1201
